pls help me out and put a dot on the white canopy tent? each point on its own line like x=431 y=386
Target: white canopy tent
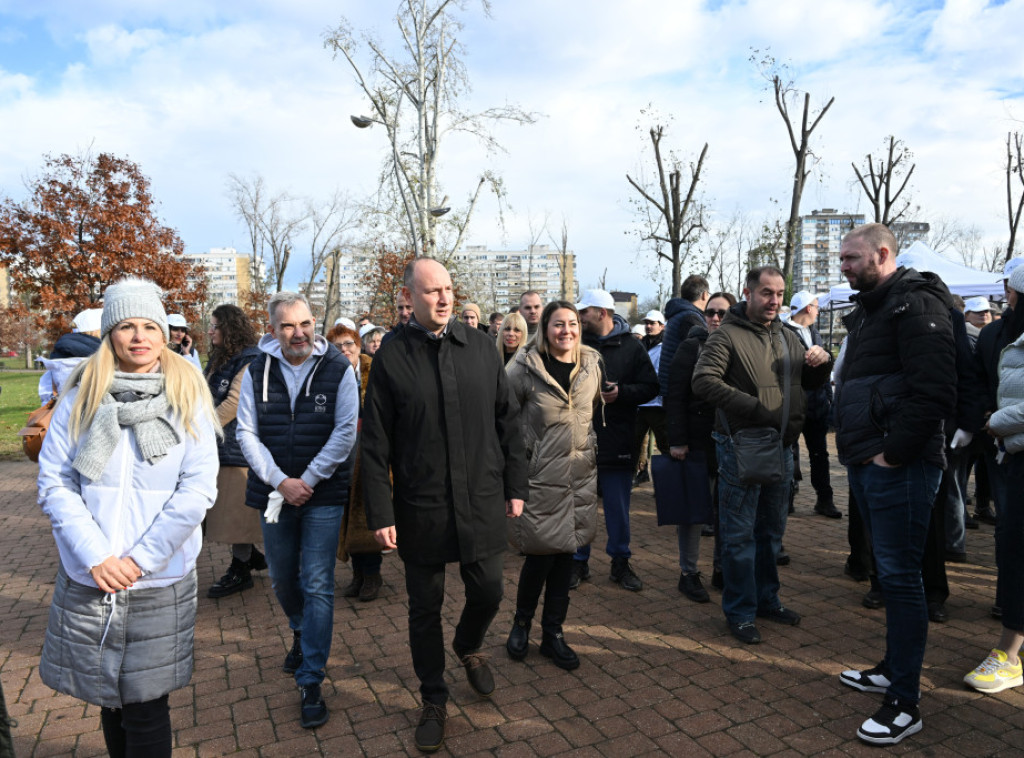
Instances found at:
x=961 y=280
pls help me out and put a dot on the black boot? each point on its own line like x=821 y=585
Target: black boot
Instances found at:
x=257 y=561
x=553 y=643
x=236 y=579
x=519 y=638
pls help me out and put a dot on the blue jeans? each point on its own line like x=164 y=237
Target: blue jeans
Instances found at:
x=616 y=485
x=301 y=552
x=896 y=505
x=751 y=522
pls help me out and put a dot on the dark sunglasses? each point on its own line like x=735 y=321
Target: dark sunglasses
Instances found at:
x=720 y=312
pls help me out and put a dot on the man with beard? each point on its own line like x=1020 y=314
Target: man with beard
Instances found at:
x=897 y=385
x=297 y=412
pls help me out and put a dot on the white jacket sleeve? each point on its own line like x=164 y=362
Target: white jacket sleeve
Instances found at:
x=195 y=493
x=79 y=538
x=261 y=462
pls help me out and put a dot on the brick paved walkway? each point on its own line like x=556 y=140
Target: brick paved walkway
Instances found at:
x=660 y=675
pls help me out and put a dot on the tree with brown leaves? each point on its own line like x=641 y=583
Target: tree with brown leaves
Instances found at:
x=86 y=223
x=383 y=278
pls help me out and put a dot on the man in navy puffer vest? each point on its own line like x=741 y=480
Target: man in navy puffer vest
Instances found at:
x=297 y=414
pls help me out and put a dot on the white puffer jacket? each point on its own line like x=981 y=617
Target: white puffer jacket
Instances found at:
x=1008 y=421
x=150 y=512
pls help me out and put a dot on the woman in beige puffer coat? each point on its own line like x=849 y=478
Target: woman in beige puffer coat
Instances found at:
x=557 y=382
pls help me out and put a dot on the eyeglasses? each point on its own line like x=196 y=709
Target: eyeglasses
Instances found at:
x=720 y=312
x=346 y=345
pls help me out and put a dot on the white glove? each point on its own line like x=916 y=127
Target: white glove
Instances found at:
x=274 y=503
x=961 y=439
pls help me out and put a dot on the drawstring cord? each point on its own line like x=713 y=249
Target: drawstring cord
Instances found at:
x=111 y=600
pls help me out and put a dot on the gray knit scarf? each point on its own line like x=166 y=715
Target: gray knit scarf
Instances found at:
x=135 y=400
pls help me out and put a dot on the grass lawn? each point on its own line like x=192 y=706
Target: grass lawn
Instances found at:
x=18 y=397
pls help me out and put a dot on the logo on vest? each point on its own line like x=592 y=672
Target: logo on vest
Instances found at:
x=224 y=384
x=321 y=403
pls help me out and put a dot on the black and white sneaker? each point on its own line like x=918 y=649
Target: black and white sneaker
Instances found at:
x=893 y=721
x=871 y=680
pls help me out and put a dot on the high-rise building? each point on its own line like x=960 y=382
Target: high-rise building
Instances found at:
x=909 y=232
x=494 y=279
x=228 y=274
x=816 y=258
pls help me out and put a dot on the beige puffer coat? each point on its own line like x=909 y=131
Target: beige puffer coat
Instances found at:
x=561 y=446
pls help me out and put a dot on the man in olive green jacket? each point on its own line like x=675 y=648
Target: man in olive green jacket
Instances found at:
x=740 y=372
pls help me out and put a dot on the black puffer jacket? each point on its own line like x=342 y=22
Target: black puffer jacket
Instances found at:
x=624 y=361
x=898 y=378
x=688 y=419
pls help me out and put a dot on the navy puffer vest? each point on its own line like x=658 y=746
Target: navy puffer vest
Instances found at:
x=295 y=438
x=228 y=449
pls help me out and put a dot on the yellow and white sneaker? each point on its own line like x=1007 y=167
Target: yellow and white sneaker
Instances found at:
x=995 y=673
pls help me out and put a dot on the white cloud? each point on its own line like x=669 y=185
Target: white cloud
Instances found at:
x=194 y=91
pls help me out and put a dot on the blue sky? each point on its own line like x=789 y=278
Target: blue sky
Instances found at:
x=194 y=91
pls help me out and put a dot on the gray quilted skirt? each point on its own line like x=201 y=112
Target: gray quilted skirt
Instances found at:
x=110 y=650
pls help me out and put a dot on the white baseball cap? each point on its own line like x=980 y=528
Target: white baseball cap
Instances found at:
x=977 y=305
x=639 y=330
x=176 y=319
x=596 y=299
x=347 y=323
x=1010 y=266
x=88 y=320
x=655 y=316
x=801 y=300
x=366 y=329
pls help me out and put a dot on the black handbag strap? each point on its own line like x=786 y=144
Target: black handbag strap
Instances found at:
x=786 y=384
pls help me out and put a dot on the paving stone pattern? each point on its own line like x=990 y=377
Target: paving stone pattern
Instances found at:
x=659 y=675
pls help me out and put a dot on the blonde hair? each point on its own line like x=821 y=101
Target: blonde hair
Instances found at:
x=517 y=322
x=540 y=340
x=187 y=394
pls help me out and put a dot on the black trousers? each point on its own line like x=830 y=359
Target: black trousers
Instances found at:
x=425 y=585
x=138 y=730
x=933 y=562
x=816 y=438
x=550 y=574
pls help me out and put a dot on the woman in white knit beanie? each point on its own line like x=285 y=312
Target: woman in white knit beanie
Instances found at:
x=127 y=471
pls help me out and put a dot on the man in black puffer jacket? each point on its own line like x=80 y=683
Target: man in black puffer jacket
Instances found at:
x=896 y=387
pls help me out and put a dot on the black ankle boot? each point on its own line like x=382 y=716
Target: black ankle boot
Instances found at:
x=553 y=646
x=519 y=638
x=552 y=643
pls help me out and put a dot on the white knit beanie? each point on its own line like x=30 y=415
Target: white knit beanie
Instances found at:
x=1017 y=279
x=133 y=297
